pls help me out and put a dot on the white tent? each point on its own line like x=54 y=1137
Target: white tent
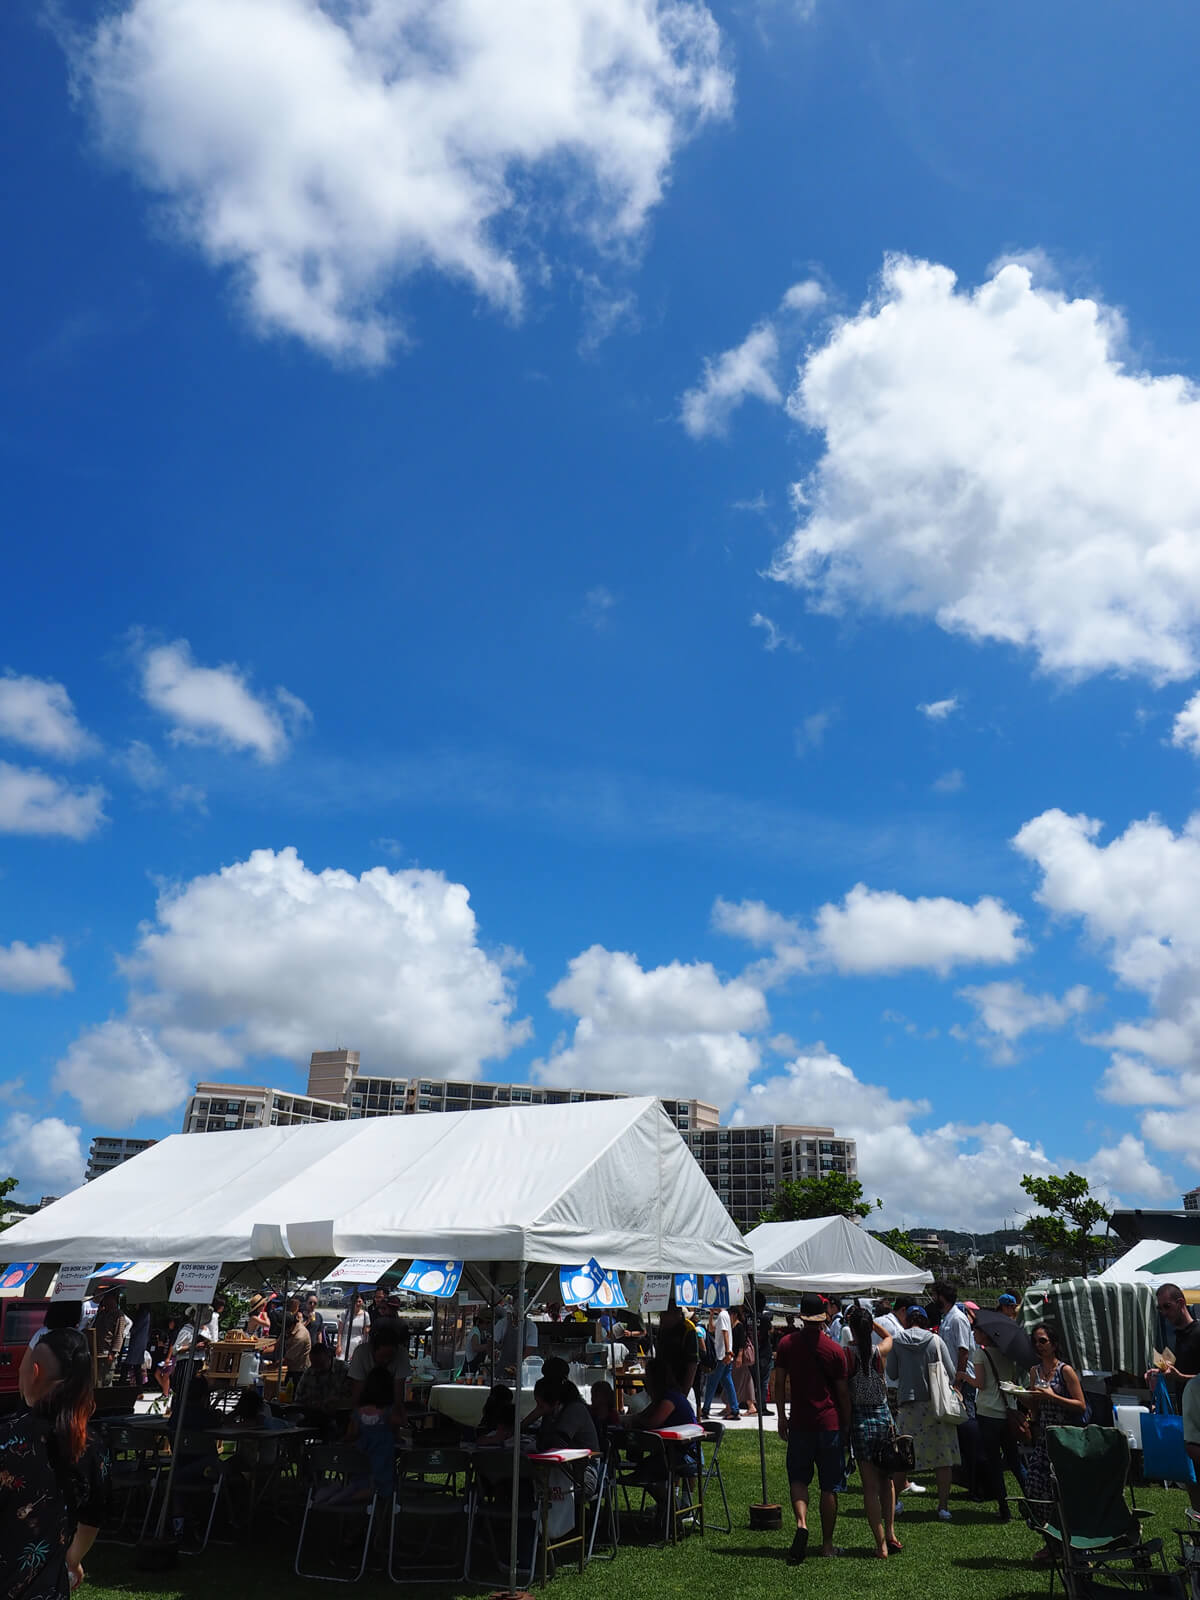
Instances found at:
x=547 y=1184
x=1157 y=1261
x=829 y=1254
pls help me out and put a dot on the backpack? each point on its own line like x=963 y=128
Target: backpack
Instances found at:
x=708 y=1352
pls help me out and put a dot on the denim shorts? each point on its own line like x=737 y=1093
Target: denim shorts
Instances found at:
x=820 y=1450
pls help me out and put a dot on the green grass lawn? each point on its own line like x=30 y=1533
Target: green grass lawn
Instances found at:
x=981 y=1558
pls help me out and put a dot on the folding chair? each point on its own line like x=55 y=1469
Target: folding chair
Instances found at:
x=133 y=1468
x=491 y=1513
x=431 y=1508
x=604 y=1504
x=333 y=1468
x=710 y=1473
x=199 y=1476
x=256 y=1465
x=668 y=1463
x=570 y=1467
x=1091 y=1532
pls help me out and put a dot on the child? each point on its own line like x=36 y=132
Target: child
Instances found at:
x=372 y=1433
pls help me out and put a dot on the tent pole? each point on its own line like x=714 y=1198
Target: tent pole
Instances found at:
x=519 y=1311
x=282 y=1339
x=181 y=1397
x=759 y=1396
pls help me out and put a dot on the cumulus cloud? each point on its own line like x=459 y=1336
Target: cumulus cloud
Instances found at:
x=33 y=969
x=42 y=1153
x=747 y=371
x=678 y=1029
x=1008 y=1011
x=37 y=712
x=970 y=1171
x=266 y=958
x=877 y=931
x=33 y=802
x=939 y=710
x=326 y=153
x=215 y=705
x=1185 y=730
x=991 y=461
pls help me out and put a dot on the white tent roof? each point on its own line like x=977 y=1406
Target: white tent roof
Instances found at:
x=829 y=1253
x=1131 y=1268
x=552 y=1184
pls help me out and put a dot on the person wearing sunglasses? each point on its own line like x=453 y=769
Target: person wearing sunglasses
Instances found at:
x=1058 y=1403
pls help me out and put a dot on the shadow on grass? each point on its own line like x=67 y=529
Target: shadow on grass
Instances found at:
x=780 y=1553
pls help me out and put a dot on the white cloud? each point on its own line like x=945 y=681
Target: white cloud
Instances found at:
x=327 y=153
x=151 y=776
x=805 y=297
x=1007 y=1011
x=267 y=959
x=37 y=712
x=33 y=802
x=952 y=782
x=810 y=735
x=119 y=1072
x=747 y=371
x=675 y=1030
x=968 y=1171
x=774 y=637
x=215 y=705
x=877 y=931
x=991 y=462
x=1185 y=730
x=32 y=969
x=44 y=1153
x=939 y=710
x=597 y=606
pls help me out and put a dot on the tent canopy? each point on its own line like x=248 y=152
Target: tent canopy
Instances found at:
x=1173 y=1227
x=549 y=1184
x=1157 y=1261
x=829 y=1253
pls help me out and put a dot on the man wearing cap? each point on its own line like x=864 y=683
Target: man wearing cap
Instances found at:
x=1007 y=1304
x=811 y=1374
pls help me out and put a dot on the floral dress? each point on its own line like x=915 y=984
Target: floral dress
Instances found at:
x=1039 y=1483
x=36 y=1522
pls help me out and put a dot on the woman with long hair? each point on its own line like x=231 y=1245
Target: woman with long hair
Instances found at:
x=354 y=1327
x=51 y=1479
x=871 y=1425
x=1059 y=1403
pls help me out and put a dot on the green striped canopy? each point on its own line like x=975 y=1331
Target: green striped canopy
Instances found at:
x=1105 y=1327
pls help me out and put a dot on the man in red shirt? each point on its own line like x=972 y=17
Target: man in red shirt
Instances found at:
x=811 y=1373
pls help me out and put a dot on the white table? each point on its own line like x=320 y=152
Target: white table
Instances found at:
x=461 y=1402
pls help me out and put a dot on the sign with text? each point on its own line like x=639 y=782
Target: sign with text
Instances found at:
x=72 y=1280
x=436 y=1278
x=656 y=1292
x=360 y=1269
x=195 y=1282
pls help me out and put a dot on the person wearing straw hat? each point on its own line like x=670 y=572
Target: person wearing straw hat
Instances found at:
x=811 y=1373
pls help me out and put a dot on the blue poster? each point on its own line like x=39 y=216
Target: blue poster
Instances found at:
x=687 y=1293
x=716 y=1292
x=436 y=1278
x=578 y=1286
x=114 y=1269
x=609 y=1295
x=17 y=1275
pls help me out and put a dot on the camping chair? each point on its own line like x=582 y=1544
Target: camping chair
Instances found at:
x=431 y=1511
x=710 y=1471
x=334 y=1467
x=1091 y=1532
x=491 y=1513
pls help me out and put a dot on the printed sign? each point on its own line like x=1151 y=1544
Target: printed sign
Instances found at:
x=72 y=1280
x=436 y=1278
x=131 y=1271
x=687 y=1292
x=361 y=1270
x=195 y=1282
x=609 y=1294
x=578 y=1285
x=721 y=1291
x=656 y=1292
x=13 y=1278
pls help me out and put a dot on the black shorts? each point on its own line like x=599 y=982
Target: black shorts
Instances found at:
x=820 y=1450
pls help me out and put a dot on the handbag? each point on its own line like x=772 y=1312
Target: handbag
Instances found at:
x=946 y=1402
x=896 y=1453
x=1164 y=1454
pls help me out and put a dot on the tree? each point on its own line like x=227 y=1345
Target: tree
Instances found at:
x=833 y=1195
x=1066 y=1232
x=7 y=1185
x=896 y=1239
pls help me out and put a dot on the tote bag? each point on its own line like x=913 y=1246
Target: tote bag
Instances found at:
x=945 y=1400
x=1164 y=1454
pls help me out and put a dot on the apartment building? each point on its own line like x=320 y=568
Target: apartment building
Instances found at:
x=107 y=1153
x=225 y=1107
x=746 y=1165
x=1191 y=1200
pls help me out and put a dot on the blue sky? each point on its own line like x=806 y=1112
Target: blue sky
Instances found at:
x=701 y=483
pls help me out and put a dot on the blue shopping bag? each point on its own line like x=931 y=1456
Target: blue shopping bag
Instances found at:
x=1164 y=1454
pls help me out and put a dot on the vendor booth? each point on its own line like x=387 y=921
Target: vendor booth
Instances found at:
x=829 y=1255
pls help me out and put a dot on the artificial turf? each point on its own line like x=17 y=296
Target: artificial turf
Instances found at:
x=974 y=1557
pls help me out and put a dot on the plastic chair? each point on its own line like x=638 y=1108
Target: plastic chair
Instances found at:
x=1091 y=1531
x=710 y=1473
x=432 y=1499
x=333 y=1468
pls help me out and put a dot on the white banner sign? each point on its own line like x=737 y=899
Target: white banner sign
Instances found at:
x=656 y=1292
x=195 y=1282
x=72 y=1280
x=131 y=1271
x=360 y=1269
